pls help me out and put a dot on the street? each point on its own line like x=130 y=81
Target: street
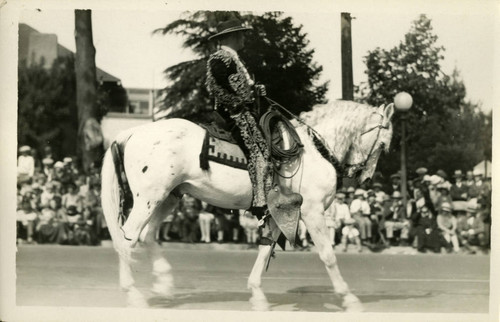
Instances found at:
x=296 y=281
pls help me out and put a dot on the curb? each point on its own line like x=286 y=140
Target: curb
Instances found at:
x=214 y=246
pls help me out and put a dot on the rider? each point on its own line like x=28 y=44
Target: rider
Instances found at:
x=234 y=92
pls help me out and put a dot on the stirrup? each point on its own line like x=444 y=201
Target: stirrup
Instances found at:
x=262 y=221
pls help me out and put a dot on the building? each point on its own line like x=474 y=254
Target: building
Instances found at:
x=128 y=107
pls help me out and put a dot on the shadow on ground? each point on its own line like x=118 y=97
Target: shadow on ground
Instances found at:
x=306 y=298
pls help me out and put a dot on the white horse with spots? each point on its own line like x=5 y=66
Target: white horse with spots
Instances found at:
x=161 y=161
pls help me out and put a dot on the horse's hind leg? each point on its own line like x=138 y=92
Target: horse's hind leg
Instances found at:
x=134 y=296
x=163 y=284
x=316 y=226
x=258 y=300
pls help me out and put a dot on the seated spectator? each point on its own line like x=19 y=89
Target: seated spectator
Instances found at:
x=421 y=172
x=447 y=223
x=443 y=195
x=72 y=198
x=84 y=229
x=48 y=168
x=426 y=231
x=206 y=219
x=190 y=208
x=479 y=189
x=375 y=214
x=172 y=225
x=396 y=220
x=52 y=227
x=47 y=194
x=73 y=219
x=360 y=212
x=395 y=183
x=471 y=230
x=350 y=235
x=379 y=194
x=26 y=219
x=250 y=224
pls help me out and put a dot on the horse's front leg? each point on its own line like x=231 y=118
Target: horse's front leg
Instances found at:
x=316 y=226
x=162 y=271
x=258 y=300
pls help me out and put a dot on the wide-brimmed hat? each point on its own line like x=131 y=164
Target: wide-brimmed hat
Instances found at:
x=67 y=160
x=396 y=195
x=377 y=184
x=446 y=206
x=458 y=174
x=59 y=164
x=442 y=174
x=477 y=173
x=395 y=175
x=229 y=26
x=421 y=171
x=47 y=161
x=435 y=179
x=359 y=192
x=340 y=195
x=350 y=189
x=24 y=148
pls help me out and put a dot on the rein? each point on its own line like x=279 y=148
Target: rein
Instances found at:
x=355 y=168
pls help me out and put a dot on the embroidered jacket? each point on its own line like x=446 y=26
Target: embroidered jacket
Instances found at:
x=228 y=81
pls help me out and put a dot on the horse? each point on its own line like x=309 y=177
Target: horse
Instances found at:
x=161 y=162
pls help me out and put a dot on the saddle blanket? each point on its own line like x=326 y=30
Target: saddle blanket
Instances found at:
x=221 y=151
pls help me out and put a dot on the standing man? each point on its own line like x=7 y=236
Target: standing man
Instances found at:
x=229 y=82
x=25 y=165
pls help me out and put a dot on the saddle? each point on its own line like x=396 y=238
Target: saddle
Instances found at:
x=283 y=204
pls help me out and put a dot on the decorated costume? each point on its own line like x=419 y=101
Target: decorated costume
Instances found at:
x=233 y=90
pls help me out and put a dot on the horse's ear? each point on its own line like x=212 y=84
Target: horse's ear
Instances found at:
x=389 y=111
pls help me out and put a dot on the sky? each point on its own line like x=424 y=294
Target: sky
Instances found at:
x=127 y=48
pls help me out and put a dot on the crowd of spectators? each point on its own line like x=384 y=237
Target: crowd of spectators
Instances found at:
x=440 y=215
x=58 y=204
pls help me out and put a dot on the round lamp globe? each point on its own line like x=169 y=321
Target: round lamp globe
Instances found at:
x=403 y=101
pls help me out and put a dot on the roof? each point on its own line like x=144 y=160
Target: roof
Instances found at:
x=25 y=31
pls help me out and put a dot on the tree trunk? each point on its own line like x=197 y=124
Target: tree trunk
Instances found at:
x=89 y=130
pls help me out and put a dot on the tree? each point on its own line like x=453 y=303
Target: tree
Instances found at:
x=90 y=137
x=276 y=53
x=47 y=106
x=443 y=129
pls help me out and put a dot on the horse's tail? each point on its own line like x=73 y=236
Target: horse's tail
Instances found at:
x=110 y=199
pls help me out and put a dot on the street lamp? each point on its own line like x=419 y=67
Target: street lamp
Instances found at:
x=403 y=102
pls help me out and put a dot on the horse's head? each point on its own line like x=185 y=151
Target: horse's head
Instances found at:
x=375 y=137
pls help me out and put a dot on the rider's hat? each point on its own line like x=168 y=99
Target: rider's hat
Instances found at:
x=229 y=26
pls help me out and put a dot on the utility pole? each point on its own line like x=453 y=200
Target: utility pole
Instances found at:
x=346 y=50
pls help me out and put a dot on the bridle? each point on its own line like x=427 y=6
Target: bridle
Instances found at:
x=352 y=169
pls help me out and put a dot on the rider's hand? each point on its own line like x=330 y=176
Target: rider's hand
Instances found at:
x=260 y=90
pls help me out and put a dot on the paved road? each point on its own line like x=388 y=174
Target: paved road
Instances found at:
x=296 y=281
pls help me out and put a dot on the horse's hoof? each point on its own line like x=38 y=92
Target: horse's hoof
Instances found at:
x=136 y=299
x=352 y=304
x=259 y=304
x=161 y=290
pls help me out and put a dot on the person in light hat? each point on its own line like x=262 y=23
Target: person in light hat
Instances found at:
x=25 y=165
x=472 y=230
x=479 y=189
x=447 y=223
x=379 y=193
x=360 y=211
x=396 y=220
x=234 y=91
x=336 y=215
x=350 y=235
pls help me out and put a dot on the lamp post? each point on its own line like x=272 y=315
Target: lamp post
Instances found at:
x=403 y=102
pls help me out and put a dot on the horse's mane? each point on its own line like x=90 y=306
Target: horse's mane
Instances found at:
x=339 y=123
